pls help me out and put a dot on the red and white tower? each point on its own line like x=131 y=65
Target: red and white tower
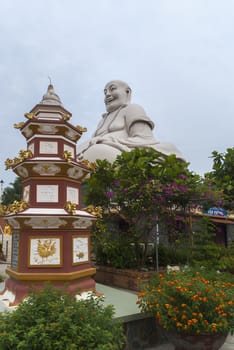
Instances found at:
x=50 y=231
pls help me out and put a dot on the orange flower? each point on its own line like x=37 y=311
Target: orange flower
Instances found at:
x=185 y=302
x=214 y=326
x=204 y=299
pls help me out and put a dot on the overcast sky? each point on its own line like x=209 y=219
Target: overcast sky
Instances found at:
x=177 y=55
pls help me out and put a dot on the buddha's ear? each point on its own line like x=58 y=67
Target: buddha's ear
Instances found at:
x=129 y=93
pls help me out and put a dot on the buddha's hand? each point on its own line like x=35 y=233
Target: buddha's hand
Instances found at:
x=80 y=156
x=95 y=140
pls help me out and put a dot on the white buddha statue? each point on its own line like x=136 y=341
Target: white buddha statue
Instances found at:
x=123 y=127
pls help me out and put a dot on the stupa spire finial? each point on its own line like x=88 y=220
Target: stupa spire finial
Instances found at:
x=51 y=97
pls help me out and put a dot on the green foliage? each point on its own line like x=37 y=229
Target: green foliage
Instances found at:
x=172 y=255
x=222 y=176
x=12 y=193
x=112 y=246
x=226 y=261
x=118 y=253
x=142 y=186
x=205 y=252
x=54 y=320
x=98 y=184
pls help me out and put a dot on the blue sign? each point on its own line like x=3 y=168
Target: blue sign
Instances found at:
x=217 y=211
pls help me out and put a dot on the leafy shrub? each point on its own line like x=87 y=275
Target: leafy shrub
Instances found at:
x=112 y=245
x=54 y=320
x=116 y=253
x=170 y=255
x=226 y=261
x=205 y=252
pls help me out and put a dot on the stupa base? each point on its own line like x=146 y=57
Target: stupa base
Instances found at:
x=17 y=290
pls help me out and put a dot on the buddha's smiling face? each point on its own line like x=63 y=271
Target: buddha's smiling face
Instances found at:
x=116 y=93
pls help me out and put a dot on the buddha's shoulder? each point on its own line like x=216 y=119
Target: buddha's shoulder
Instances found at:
x=133 y=109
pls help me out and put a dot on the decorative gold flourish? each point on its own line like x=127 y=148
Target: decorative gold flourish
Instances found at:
x=9 y=163
x=29 y=115
x=2 y=209
x=23 y=154
x=81 y=129
x=80 y=255
x=91 y=209
x=70 y=207
x=15 y=207
x=66 y=116
x=67 y=156
x=46 y=249
x=88 y=164
x=7 y=230
x=19 y=125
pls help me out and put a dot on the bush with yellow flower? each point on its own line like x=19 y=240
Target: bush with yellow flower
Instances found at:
x=193 y=302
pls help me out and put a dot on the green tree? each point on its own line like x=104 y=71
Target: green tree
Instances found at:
x=222 y=175
x=13 y=192
x=205 y=252
x=143 y=186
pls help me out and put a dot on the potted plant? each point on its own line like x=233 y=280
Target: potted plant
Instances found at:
x=192 y=306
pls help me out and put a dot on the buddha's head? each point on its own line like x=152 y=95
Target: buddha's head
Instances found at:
x=117 y=93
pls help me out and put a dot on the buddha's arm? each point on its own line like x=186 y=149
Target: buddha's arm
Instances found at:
x=140 y=129
x=140 y=134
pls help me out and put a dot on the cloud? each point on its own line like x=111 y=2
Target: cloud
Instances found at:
x=176 y=55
